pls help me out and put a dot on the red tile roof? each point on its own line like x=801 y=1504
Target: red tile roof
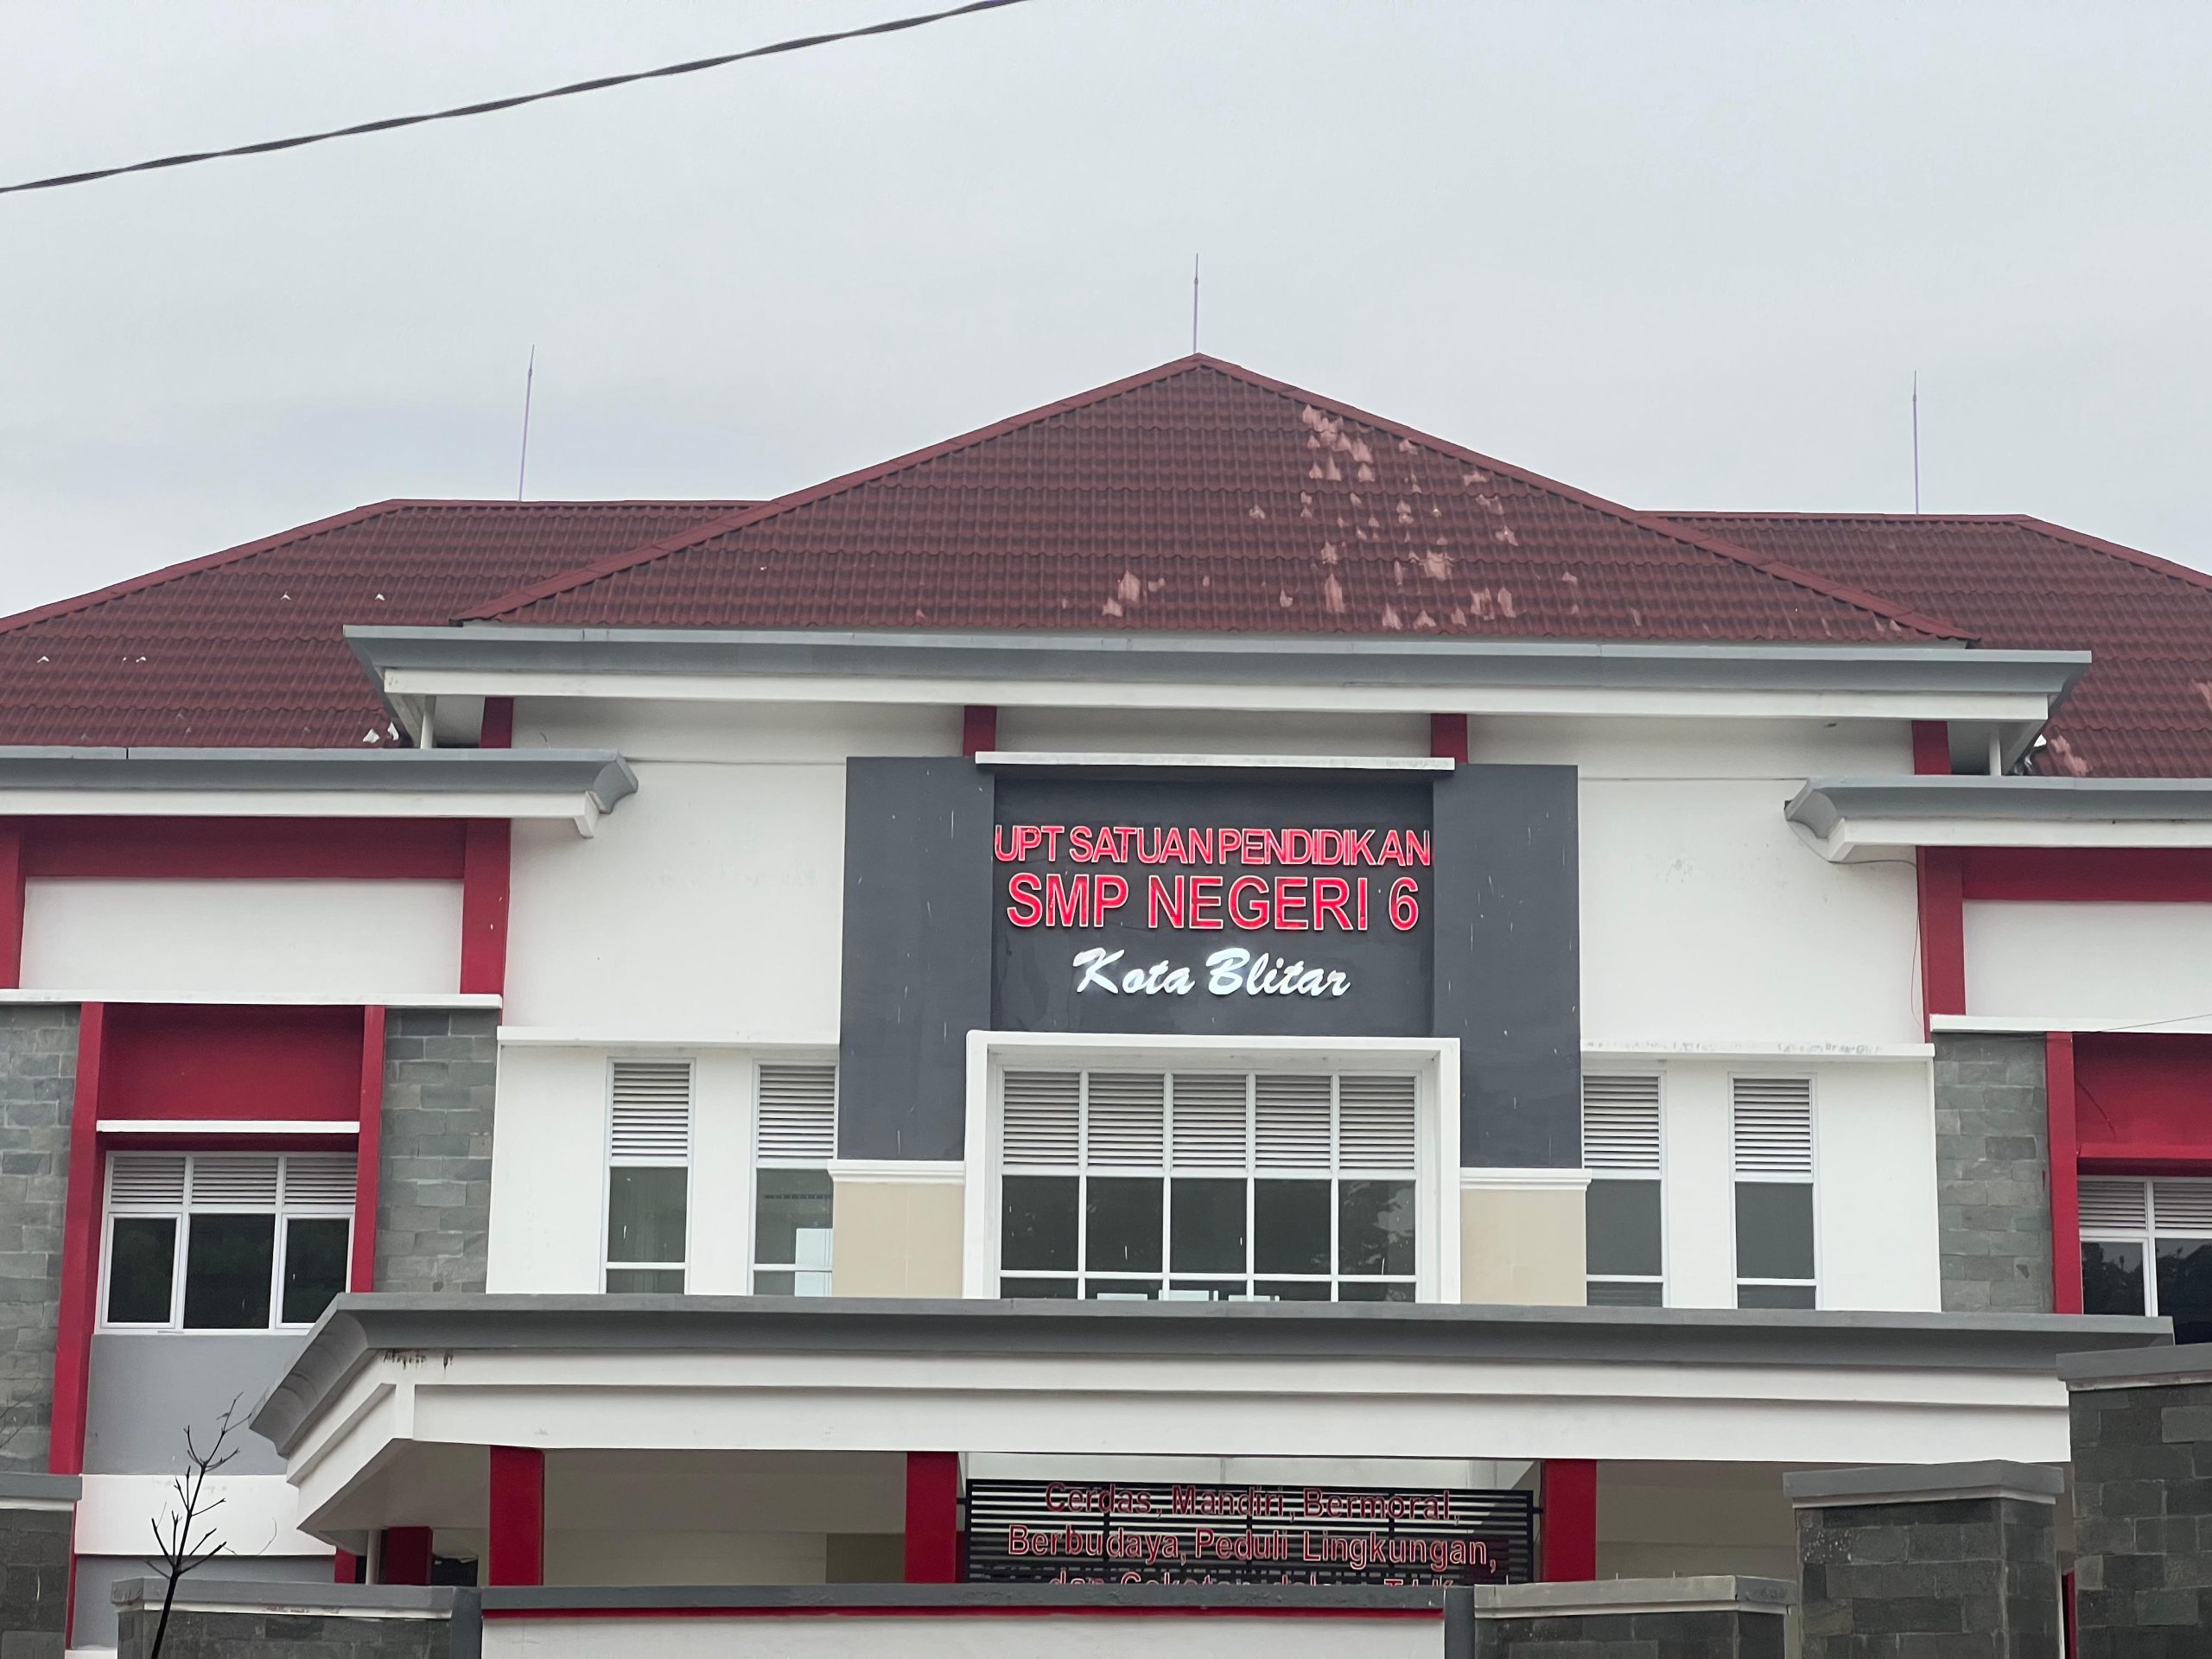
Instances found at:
x=2145 y=708
x=242 y=648
x=1202 y=496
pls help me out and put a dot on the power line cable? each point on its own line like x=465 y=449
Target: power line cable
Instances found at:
x=892 y=26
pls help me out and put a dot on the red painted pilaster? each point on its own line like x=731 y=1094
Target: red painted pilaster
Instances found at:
x=2065 y=1175
x=1569 y=1540
x=403 y=1556
x=368 y=1153
x=979 y=728
x=11 y=905
x=1942 y=932
x=81 y=1251
x=1447 y=738
x=345 y=1567
x=499 y=730
x=1931 y=748
x=484 y=867
x=515 y=1534
x=932 y=1517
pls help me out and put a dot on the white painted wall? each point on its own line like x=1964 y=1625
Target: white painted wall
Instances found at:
x=244 y=941
x=1874 y=1190
x=1072 y=1634
x=1153 y=731
x=549 y=1170
x=2075 y=966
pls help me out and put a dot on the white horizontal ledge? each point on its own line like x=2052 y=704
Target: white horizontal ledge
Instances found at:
x=220 y=1126
x=1747 y=1049
x=2003 y=1024
x=217 y=999
x=943 y=1172
x=565 y=1037
x=1092 y=759
x=1477 y=1178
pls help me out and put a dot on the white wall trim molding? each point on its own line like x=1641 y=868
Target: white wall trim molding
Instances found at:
x=1730 y=1049
x=295 y=999
x=1012 y=759
x=197 y=1127
x=807 y=1045
x=1481 y=1179
x=935 y=1171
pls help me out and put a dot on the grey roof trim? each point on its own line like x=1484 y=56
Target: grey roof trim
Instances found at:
x=600 y=773
x=357 y=1328
x=1254 y=658
x=1923 y=1483
x=21 y=1490
x=267 y=1596
x=2159 y=1368
x=1825 y=802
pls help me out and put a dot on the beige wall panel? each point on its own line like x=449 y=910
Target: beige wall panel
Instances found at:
x=896 y=1238
x=1522 y=1246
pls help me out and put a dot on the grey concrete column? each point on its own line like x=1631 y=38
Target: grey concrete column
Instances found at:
x=2142 y=1427
x=1718 y=1617
x=38 y=1520
x=1947 y=1560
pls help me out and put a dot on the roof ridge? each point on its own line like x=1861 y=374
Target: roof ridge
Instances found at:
x=1889 y=610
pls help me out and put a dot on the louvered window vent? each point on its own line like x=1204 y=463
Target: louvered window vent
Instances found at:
x=1772 y=1121
x=1620 y=1124
x=797 y=1113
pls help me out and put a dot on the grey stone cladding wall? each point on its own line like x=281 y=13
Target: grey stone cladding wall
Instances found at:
x=34 y=1581
x=38 y=1073
x=1974 y=1578
x=433 y=1198
x=2142 y=1520
x=1713 y=1634
x=1992 y=1173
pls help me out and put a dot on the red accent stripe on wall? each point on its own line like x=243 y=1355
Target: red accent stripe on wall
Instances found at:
x=2150 y=875
x=932 y=1517
x=1447 y=738
x=368 y=1151
x=81 y=1251
x=11 y=905
x=419 y=850
x=832 y=1610
x=2065 y=1173
x=1569 y=1538
x=979 y=728
x=172 y=1061
x=484 y=905
x=514 y=1550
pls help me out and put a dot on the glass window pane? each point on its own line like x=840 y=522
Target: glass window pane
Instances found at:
x=1773 y=1231
x=227 y=1263
x=2185 y=1285
x=1206 y=1225
x=645 y=1214
x=1375 y=1227
x=1290 y=1226
x=1292 y=1290
x=2111 y=1278
x=792 y=1217
x=1774 y=1296
x=142 y=1267
x=1368 y=1291
x=658 y=1281
x=1121 y=1223
x=314 y=1265
x=1122 y=1290
x=1037 y=1289
x=1037 y=1223
x=1621 y=1220
x=1614 y=1292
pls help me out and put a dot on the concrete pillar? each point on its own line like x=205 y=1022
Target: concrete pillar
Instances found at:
x=2142 y=1427
x=1568 y=1542
x=1947 y=1560
x=1718 y=1617
x=38 y=1519
x=932 y=1517
x=514 y=1540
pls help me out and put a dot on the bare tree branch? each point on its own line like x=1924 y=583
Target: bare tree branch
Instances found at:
x=180 y=1551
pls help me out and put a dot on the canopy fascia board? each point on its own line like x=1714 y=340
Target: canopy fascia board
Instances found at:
x=1850 y=820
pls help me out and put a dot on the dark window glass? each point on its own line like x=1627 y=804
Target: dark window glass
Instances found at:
x=2111 y=1278
x=2185 y=1285
x=1037 y=1289
x=1613 y=1292
x=793 y=1218
x=1037 y=1226
x=666 y=1281
x=140 y=1269
x=1290 y=1226
x=644 y=1213
x=228 y=1261
x=1374 y=1292
x=314 y=1265
x=1621 y=1218
x=1206 y=1226
x=1121 y=1225
x=1773 y=1231
x=1292 y=1290
x=1123 y=1290
x=1774 y=1296
x=1375 y=1227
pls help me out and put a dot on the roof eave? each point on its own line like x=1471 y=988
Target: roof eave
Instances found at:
x=1849 y=820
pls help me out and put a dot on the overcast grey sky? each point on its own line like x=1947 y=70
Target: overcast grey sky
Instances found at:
x=1682 y=254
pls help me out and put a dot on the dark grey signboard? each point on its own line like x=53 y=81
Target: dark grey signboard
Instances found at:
x=1282 y=907
x=1166 y=1532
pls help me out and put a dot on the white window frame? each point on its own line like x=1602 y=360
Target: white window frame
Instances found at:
x=180 y=1255
x=2147 y=1236
x=824 y=1166
x=1663 y=1279
x=1810 y=1179
x=613 y=1162
x=1434 y=1063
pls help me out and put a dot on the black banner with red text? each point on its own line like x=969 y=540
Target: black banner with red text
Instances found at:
x=1283 y=906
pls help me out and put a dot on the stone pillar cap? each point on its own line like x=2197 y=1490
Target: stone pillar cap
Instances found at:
x=22 y=1489
x=2168 y=1367
x=1922 y=1483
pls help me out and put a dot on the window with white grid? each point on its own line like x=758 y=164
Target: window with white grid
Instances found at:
x=1771 y=1140
x=2147 y=1248
x=648 y=1174
x=225 y=1241
x=1624 y=1241
x=1200 y=1184
x=795 y=1115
